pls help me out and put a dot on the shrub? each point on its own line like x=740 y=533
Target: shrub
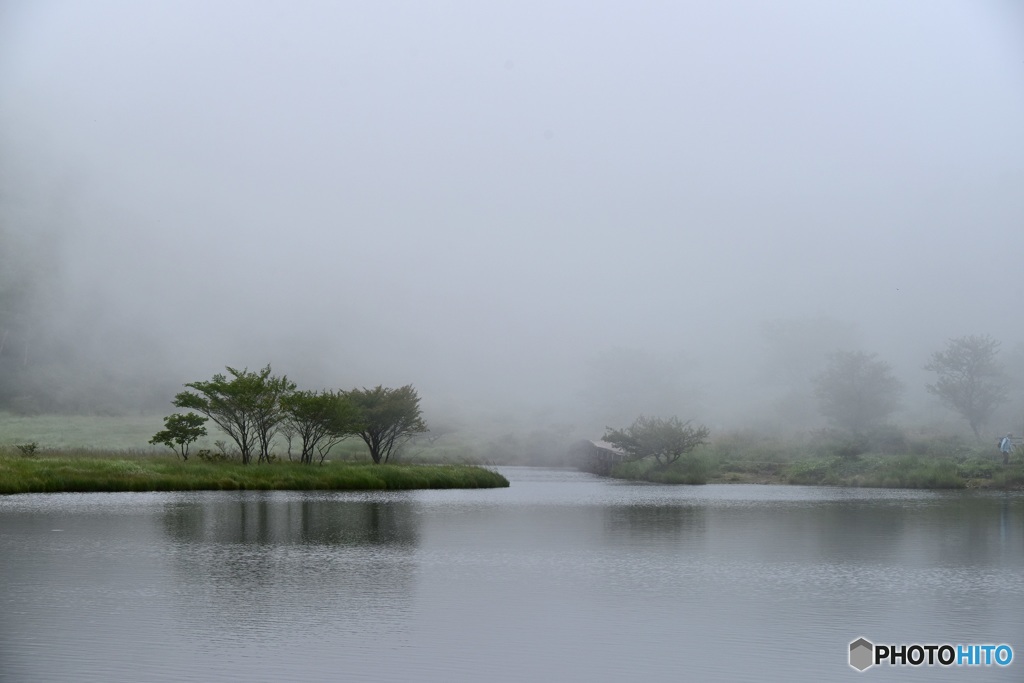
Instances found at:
x=813 y=472
x=1008 y=478
x=752 y=446
x=690 y=469
x=832 y=443
x=206 y=455
x=887 y=439
x=938 y=446
x=975 y=468
x=911 y=472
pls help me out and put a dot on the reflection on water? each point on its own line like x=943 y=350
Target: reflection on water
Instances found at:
x=271 y=518
x=562 y=576
x=344 y=565
x=644 y=524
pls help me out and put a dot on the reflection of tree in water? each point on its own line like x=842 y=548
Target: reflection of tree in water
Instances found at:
x=981 y=529
x=262 y=520
x=643 y=523
x=855 y=532
x=971 y=530
x=263 y=561
x=929 y=537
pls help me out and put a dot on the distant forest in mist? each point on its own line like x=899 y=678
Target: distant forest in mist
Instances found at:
x=548 y=219
x=54 y=361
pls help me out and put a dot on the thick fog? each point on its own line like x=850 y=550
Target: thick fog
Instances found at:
x=565 y=212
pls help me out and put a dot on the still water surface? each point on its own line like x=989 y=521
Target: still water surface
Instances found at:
x=561 y=577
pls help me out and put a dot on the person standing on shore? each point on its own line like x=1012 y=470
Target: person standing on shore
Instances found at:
x=1006 y=447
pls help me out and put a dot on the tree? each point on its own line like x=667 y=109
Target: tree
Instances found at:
x=268 y=411
x=970 y=380
x=385 y=418
x=794 y=351
x=856 y=391
x=246 y=406
x=180 y=431
x=665 y=439
x=319 y=419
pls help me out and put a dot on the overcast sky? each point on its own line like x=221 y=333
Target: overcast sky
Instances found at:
x=483 y=197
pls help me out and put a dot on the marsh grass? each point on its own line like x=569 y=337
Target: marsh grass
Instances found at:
x=893 y=460
x=750 y=447
x=1009 y=478
x=61 y=472
x=905 y=471
x=876 y=471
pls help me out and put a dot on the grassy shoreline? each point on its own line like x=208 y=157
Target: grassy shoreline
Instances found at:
x=869 y=471
x=891 y=458
x=113 y=473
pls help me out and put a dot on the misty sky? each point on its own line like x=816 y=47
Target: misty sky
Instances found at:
x=482 y=198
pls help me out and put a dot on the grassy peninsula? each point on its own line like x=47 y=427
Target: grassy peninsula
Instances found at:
x=108 y=472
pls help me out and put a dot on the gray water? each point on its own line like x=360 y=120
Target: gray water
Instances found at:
x=561 y=577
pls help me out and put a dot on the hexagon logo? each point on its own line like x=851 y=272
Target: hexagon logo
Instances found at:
x=861 y=654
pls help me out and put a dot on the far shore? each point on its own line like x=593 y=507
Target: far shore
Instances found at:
x=869 y=471
x=54 y=471
x=777 y=479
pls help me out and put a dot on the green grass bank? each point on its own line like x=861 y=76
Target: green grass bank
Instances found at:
x=53 y=473
x=923 y=463
x=881 y=471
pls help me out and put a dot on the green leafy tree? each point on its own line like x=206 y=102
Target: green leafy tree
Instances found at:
x=666 y=440
x=180 y=431
x=268 y=410
x=856 y=391
x=385 y=418
x=970 y=379
x=245 y=404
x=320 y=420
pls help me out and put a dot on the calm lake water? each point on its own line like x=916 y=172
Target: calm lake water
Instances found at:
x=562 y=577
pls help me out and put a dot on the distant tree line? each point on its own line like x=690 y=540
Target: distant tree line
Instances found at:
x=857 y=392
x=254 y=407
